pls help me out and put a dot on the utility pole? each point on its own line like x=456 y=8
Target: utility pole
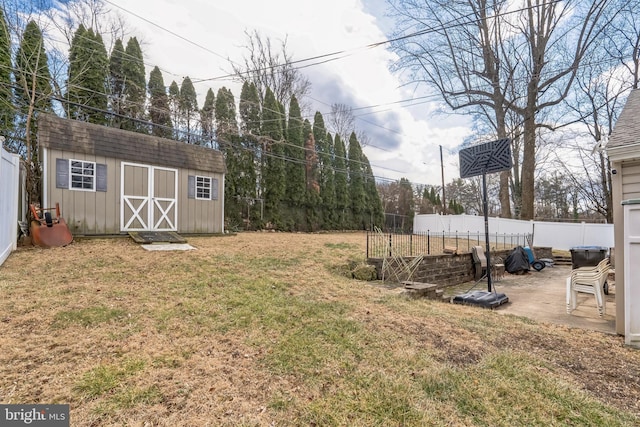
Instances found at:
x=444 y=200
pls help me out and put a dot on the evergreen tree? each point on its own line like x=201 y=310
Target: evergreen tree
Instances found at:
x=174 y=108
x=116 y=83
x=432 y=196
x=159 y=105
x=188 y=105
x=134 y=87
x=250 y=128
x=274 y=173
x=208 y=119
x=324 y=148
x=341 y=183
x=374 y=208
x=295 y=189
x=313 y=202
x=456 y=208
x=356 y=183
x=88 y=81
x=7 y=112
x=283 y=117
x=225 y=113
x=33 y=95
x=33 y=79
x=406 y=204
x=227 y=137
x=425 y=202
x=328 y=187
x=250 y=110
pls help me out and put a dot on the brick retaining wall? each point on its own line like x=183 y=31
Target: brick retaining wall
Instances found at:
x=449 y=269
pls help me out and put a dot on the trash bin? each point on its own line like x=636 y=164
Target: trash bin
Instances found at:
x=587 y=256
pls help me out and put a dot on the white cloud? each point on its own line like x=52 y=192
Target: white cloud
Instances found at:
x=409 y=138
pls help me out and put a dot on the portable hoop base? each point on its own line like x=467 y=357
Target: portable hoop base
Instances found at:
x=483 y=299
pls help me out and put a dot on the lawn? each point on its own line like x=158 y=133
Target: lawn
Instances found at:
x=262 y=329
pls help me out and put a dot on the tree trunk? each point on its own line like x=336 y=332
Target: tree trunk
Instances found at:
x=528 y=165
x=501 y=127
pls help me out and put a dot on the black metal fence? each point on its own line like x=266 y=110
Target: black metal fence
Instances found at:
x=380 y=245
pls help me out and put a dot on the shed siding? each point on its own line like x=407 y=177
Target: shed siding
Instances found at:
x=199 y=216
x=86 y=212
x=630 y=180
x=99 y=212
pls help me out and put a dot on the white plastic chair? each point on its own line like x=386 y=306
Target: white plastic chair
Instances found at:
x=588 y=280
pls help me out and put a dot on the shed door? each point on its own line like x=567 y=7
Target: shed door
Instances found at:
x=148 y=198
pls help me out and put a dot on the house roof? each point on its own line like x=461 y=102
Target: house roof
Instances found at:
x=624 y=142
x=87 y=138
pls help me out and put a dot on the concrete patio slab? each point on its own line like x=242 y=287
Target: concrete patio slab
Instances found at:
x=541 y=296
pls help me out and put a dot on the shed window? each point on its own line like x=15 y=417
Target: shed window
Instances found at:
x=82 y=175
x=203 y=187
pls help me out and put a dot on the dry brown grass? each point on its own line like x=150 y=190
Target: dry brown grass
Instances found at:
x=259 y=329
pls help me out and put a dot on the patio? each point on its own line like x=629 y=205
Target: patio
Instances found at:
x=541 y=296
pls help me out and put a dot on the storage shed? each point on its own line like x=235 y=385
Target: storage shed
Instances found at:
x=110 y=181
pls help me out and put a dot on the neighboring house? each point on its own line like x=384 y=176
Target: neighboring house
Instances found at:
x=623 y=150
x=110 y=181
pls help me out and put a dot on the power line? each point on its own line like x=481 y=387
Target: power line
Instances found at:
x=369 y=46
x=323 y=58
x=231 y=143
x=455 y=22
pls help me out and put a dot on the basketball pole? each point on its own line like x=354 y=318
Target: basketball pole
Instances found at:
x=485 y=207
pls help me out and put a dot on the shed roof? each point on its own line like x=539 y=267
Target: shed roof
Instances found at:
x=87 y=138
x=626 y=132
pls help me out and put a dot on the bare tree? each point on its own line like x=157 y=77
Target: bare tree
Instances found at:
x=558 y=38
x=94 y=14
x=624 y=43
x=389 y=195
x=601 y=89
x=341 y=120
x=456 y=48
x=487 y=59
x=269 y=67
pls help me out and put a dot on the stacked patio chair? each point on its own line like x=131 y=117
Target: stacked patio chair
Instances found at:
x=588 y=280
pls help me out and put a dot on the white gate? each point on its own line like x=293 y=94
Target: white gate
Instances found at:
x=9 y=201
x=148 y=198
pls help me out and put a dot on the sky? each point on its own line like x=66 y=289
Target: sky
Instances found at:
x=197 y=38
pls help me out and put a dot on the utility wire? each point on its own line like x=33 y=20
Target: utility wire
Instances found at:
x=454 y=22
x=223 y=142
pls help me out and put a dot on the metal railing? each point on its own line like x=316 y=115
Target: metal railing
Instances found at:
x=381 y=245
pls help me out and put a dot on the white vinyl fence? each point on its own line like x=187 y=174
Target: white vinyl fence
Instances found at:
x=9 y=202
x=557 y=235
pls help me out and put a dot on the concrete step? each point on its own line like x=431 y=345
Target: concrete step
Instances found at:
x=562 y=260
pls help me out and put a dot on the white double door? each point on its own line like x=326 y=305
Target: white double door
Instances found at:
x=149 y=196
